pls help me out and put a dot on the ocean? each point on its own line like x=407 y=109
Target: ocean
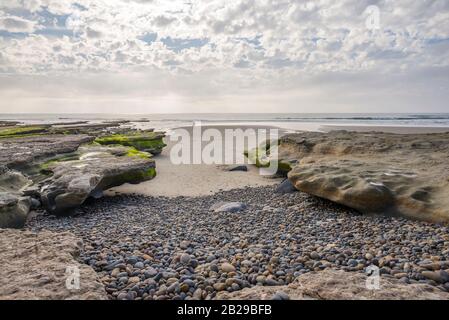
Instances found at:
x=288 y=121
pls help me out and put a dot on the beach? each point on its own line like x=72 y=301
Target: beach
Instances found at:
x=222 y=231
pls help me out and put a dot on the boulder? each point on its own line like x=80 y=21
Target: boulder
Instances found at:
x=380 y=173
x=14 y=207
x=38 y=266
x=338 y=285
x=97 y=169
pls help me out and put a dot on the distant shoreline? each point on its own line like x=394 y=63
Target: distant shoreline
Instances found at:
x=387 y=129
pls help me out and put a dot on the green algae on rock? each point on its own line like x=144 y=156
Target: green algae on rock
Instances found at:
x=261 y=157
x=22 y=131
x=151 y=142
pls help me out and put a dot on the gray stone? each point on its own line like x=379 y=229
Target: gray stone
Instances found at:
x=237 y=168
x=228 y=207
x=286 y=186
x=13 y=210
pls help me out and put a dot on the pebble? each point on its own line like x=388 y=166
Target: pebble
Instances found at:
x=155 y=248
x=227 y=267
x=185 y=258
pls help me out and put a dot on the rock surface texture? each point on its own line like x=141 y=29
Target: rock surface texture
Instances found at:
x=405 y=174
x=17 y=152
x=14 y=207
x=338 y=285
x=34 y=266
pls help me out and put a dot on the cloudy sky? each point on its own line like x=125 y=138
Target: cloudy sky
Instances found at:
x=144 y=56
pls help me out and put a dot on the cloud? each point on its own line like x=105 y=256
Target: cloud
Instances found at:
x=232 y=48
x=17 y=24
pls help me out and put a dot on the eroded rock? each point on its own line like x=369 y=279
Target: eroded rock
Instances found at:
x=35 y=266
x=338 y=285
x=405 y=174
x=14 y=207
x=228 y=207
x=23 y=151
x=14 y=210
x=97 y=169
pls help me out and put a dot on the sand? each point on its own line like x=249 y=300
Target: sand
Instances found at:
x=195 y=180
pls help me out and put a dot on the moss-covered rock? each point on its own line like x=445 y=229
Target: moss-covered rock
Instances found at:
x=261 y=157
x=22 y=131
x=97 y=168
x=151 y=142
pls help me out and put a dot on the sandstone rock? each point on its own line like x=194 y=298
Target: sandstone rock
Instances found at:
x=14 y=207
x=398 y=174
x=34 y=266
x=98 y=169
x=339 y=285
x=14 y=210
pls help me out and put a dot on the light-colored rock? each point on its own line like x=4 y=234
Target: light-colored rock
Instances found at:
x=228 y=207
x=34 y=266
x=404 y=174
x=339 y=285
x=227 y=267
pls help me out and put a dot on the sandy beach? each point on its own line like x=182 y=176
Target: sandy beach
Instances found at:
x=197 y=179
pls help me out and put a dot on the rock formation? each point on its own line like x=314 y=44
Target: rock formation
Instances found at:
x=60 y=167
x=97 y=169
x=405 y=174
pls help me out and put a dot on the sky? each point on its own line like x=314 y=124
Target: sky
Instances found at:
x=160 y=56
